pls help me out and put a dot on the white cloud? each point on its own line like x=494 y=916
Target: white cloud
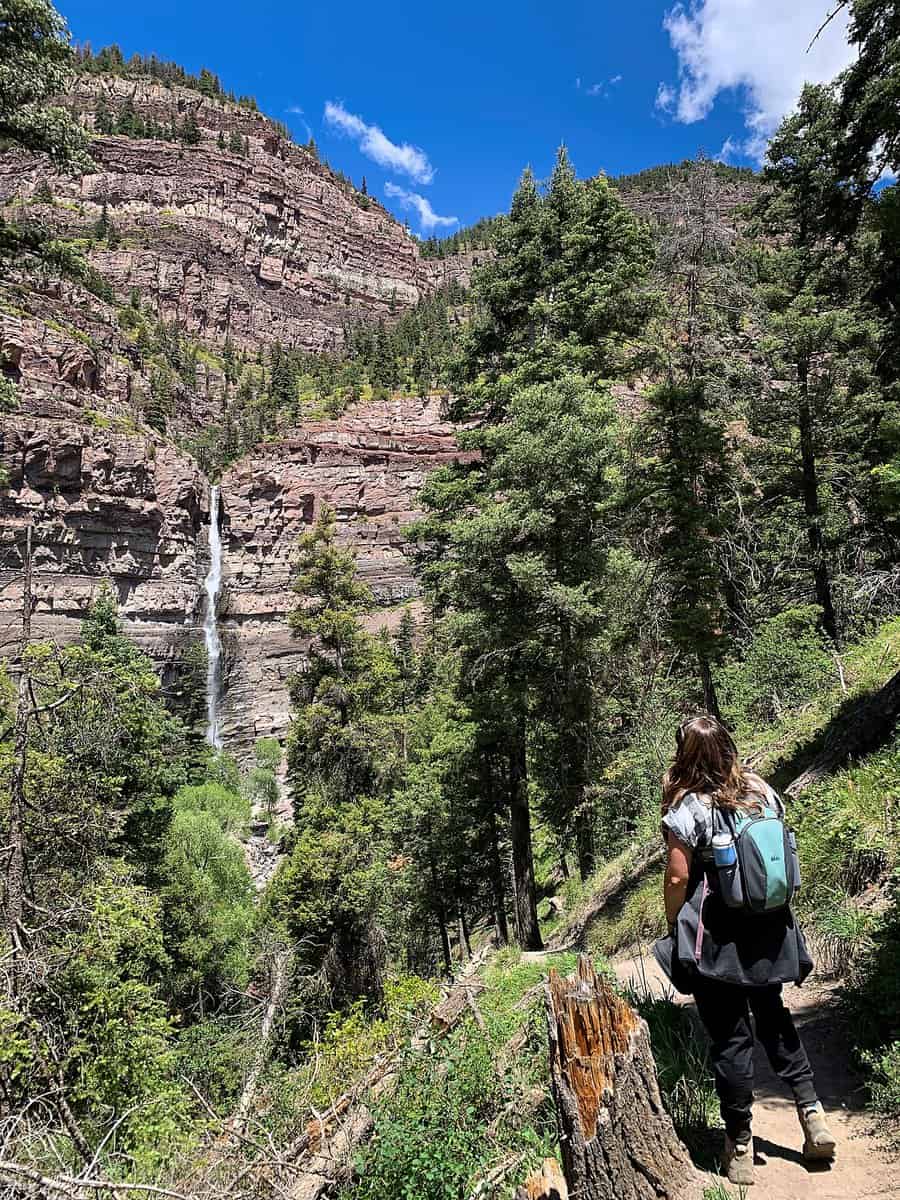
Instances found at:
x=428 y=218
x=404 y=158
x=665 y=97
x=760 y=48
x=731 y=149
x=601 y=88
x=295 y=110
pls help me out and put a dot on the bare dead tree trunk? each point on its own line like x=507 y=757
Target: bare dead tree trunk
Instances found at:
x=618 y=1142
x=48 y=1064
x=279 y=978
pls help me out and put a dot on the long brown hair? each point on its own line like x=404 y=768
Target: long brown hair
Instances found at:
x=707 y=762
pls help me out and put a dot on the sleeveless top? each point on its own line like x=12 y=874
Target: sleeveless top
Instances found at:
x=721 y=943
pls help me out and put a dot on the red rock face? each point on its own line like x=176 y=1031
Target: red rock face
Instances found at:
x=104 y=507
x=369 y=466
x=255 y=247
x=263 y=246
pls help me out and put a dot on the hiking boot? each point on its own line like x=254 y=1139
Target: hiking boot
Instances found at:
x=819 y=1142
x=737 y=1162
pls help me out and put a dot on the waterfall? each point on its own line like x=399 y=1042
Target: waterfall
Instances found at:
x=210 y=628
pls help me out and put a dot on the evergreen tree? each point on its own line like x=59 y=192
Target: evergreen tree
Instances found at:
x=821 y=339
x=282 y=379
x=564 y=290
x=189 y=133
x=160 y=401
x=684 y=479
x=103 y=121
x=342 y=758
x=103 y=225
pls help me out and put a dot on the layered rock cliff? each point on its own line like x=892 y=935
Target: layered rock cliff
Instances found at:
x=104 y=506
x=368 y=466
x=259 y=245
x=252 y=245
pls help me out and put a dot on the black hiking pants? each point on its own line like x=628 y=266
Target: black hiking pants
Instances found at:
x=725 y=1012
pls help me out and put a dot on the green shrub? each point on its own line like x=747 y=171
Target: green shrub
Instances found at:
x=845 y=828
x=230 y=810
x=121 y=1061
x=682 y=1062
x=841 y=934
x=872 y=992
x=215 y=1058
x=9 y=395
x=785 y=666
x=884 y=1086
x=429 y=1141
x=465 y=1103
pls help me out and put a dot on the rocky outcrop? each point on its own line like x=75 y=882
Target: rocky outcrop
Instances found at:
x=259 y=245
x=369 y=466
x=104 y=506
x=130 y=510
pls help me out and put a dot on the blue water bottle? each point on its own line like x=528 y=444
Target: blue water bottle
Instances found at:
x=726 y=860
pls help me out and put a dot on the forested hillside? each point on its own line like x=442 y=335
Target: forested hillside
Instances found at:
x=675 y=488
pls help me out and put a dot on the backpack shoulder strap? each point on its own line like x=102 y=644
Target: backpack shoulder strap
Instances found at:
x=774 y=801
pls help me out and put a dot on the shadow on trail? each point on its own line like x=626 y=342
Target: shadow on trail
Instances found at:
x=763 y=1150
x=820 y=1026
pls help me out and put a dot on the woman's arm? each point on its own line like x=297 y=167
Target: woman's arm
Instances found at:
x=678 y=870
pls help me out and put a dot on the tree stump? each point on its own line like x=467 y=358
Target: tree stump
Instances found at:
x=546 y=1184
x=618 y=1142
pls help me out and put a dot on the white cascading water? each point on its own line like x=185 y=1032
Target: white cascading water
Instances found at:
x=210 y=628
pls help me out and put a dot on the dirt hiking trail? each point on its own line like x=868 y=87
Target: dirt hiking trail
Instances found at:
x=863 y=1169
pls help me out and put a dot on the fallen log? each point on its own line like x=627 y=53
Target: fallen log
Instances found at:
x=460 y=997
x=279 y=978
x=618 y=1142
x=862 y=726
x=546 y=1184
x=333 y=1165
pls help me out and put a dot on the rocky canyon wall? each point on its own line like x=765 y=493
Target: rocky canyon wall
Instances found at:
x=368 y=466
x=257 y=246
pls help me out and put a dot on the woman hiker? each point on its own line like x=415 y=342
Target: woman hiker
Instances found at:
x=735 y=959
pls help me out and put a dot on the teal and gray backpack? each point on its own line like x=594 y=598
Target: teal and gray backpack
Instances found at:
x=766 y=874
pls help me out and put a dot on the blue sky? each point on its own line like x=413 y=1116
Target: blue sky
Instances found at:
x=441 y=106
